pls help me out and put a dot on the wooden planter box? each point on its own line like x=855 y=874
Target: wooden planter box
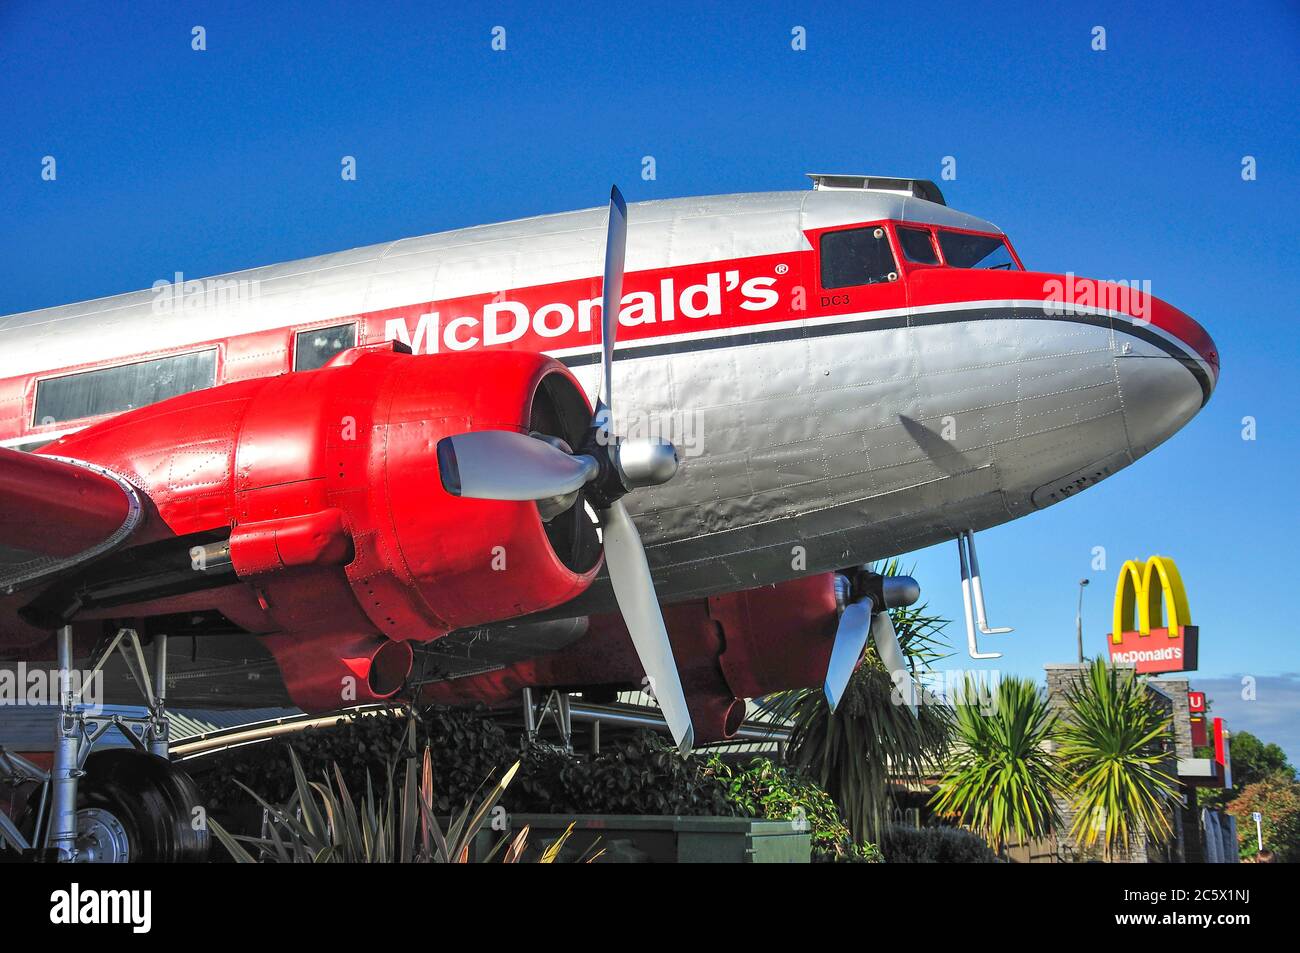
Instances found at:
x=657 y=839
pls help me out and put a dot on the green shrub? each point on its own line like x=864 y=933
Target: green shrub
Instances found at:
x=763 y=788
x=1000 y=779
x=395 y=824
x=1115 y=749
x=935 y=845
x=465 y=749
x=642 y=775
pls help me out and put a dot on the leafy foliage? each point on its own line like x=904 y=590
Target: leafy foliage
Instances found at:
x=645 y=775
x=322 y=823
x=642 y=775
x=1277 y=799
x=871 y=737
x=1113 y=748
x=935 y=845
x=764 y=788
x=1000 y=778
x=464 y=749
x=1252 y=761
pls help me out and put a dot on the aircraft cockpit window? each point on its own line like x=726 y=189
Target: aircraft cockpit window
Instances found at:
x=125 y=387
x=857 y=256
x=313 y=349
x=917 y=245
x=963 y=250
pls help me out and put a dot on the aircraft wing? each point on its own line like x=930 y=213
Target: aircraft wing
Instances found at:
x=56 y=513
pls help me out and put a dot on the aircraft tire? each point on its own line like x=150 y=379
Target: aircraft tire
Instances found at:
x=151 y=799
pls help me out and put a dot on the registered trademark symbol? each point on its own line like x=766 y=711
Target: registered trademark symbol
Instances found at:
x=782 y=269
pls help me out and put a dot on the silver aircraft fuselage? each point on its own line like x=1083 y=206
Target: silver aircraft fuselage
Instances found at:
x=822 y=424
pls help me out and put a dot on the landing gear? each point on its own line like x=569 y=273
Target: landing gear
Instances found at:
x=557 y=706
x=101 y=838
x=134 y=806
x=115 y=805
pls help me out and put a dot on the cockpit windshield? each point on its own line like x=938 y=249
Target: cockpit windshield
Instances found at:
x=964 y=250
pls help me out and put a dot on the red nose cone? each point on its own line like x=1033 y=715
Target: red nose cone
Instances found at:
x=1183 y=330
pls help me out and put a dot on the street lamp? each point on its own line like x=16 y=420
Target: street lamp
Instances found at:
x=1078 y=619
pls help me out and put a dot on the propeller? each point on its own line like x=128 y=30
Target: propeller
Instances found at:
x=507 y=465
x=868 y=616
x=850 y=640
x=891 y=653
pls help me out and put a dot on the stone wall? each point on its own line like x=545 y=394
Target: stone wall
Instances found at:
x=1176 y=690
x=1059 y=678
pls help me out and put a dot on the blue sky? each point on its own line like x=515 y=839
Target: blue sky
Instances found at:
x=1123 y=163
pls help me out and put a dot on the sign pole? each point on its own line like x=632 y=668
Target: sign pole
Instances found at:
x=1259 y=831
x=1078 y=620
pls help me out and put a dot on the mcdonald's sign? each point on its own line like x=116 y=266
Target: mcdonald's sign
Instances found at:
x=1144 y=594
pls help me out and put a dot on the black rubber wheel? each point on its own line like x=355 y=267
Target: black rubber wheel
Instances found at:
x=155 y=802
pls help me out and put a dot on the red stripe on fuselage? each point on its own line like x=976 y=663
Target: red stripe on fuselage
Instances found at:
x=736 y=295
x=712 y=298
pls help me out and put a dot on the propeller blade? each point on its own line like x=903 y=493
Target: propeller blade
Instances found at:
x=507 y=465
x=611 y=301
x=891 y=653
x=635 y=592
x=850 y=640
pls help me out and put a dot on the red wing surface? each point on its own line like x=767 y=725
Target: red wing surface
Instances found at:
x=57 y=513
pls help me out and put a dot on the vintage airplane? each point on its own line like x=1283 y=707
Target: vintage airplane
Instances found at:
x=425 y=448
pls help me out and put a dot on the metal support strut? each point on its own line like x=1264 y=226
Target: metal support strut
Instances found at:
x=79 y=728
x=558 y=706
x=67 y=763
x=159 y=733
x=972 y=594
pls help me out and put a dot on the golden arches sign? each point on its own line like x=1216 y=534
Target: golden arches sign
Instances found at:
x=1135 y=589
x=1144 y=594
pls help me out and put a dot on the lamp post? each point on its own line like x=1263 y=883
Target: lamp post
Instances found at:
x=1078 y=619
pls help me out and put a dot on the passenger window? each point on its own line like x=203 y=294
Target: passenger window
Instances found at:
x=917 y=246
x=112 y=389
x=961 y=250
x=857 y=256
x=313 y=349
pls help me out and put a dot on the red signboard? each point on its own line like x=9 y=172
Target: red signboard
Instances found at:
x=1196 y=710
x=1200 y=735
x=1161 y=651
x=1222 y=754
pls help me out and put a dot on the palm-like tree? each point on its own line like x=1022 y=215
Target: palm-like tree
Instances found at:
x=1000 y=778
x=1113 y=747
x=854 y=751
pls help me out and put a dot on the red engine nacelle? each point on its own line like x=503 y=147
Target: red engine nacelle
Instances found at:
x=340 y=531
x=728 y=648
